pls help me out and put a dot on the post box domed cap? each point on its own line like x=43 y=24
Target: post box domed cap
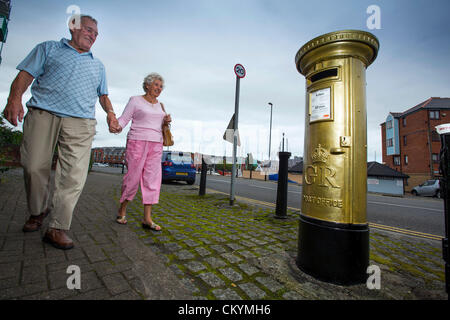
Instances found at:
x=339 y=36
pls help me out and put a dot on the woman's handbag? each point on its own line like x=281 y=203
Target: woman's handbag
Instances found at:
x=167 y=135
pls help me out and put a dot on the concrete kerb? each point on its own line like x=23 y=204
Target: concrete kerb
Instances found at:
x=160 y=282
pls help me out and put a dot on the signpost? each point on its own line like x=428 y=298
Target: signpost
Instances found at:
x=239 y=70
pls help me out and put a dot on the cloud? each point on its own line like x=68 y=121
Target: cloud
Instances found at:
x=194 y=45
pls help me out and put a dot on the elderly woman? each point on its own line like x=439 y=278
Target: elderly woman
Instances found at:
x=144 y=149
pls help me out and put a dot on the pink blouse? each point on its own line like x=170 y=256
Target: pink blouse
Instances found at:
x=146 y=119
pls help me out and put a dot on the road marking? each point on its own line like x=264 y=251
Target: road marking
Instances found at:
x=401 y=205
x=371 y=224
x=218 y=180
x=404 y=231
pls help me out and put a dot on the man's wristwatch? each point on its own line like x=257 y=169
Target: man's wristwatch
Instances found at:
x=110 y=111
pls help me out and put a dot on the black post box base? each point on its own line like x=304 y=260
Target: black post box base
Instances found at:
x=333 y=252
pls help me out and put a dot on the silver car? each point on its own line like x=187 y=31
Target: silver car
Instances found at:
x=429 y=188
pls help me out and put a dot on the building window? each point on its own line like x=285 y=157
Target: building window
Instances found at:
x=434 y=114
x=435 y=157
x=435 y=136
x=396 y=161
x=389 y=124
x=406 y=160
x=389 y=142
x=404 y=122
x=404 y=140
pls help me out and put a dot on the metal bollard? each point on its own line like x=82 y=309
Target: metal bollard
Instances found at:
x=202 y=188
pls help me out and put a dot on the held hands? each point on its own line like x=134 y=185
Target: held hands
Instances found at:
x=113 y=123
x=13 y=111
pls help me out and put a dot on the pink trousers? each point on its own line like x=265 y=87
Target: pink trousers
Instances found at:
x=143 y=159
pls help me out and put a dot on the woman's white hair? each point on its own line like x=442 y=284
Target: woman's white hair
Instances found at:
x=150 y=78
x=76 y=20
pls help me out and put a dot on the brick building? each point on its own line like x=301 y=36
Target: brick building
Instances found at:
x=410 y=143
x=110 y=155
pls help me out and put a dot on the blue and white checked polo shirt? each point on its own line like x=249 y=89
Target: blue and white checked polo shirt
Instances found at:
x=67 y=83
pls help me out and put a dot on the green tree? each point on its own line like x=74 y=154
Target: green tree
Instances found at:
x=10 y=140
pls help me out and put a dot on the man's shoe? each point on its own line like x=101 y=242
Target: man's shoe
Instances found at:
x=58 y=238
x=34 y=223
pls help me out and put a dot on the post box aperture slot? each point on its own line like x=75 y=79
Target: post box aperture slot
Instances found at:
x=324 y=74
x=330 y=74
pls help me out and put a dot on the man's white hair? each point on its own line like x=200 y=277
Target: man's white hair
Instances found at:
x=150 y=78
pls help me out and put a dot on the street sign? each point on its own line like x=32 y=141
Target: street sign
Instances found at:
x=229 y=133
x=239 y=70
x=443 y=128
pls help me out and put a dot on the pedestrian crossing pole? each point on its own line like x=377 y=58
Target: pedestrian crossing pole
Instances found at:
x=239 y=70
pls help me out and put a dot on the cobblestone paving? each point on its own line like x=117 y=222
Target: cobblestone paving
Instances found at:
x=206 y=250
x=242 y=252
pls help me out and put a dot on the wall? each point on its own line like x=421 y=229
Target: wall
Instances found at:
x=393 y=133
x=385 y=186
x=257 y=176
x=416 y=132
x=415 y=180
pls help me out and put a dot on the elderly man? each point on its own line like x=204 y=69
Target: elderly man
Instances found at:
x=61 y=113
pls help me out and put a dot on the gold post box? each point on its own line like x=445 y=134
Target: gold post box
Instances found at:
x=333 y=230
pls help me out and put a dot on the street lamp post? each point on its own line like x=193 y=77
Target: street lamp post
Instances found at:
x=270 y=135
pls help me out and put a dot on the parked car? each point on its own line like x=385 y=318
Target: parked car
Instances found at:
x=99 y=164
x=429 y=188
x=178 y=166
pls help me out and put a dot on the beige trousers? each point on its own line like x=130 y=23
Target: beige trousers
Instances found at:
x=42 y=132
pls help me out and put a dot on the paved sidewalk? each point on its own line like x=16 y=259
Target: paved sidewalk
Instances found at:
x=114 y=262
x=207 y=250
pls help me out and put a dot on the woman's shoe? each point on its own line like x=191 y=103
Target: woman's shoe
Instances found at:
x=121 y=220
x=152 y=226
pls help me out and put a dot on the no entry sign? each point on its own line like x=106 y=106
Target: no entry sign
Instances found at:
x=239 y=70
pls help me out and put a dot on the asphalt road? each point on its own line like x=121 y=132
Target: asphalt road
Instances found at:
x=421 y=214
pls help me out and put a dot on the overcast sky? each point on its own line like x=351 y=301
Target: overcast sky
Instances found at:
x=195 y=44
